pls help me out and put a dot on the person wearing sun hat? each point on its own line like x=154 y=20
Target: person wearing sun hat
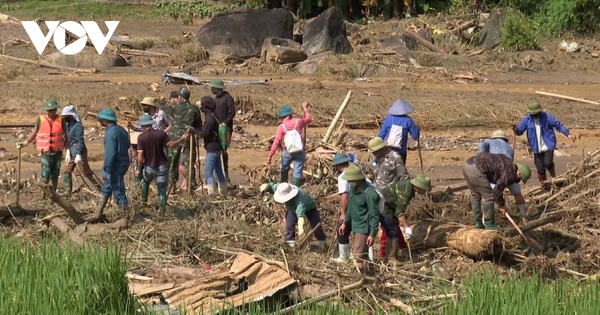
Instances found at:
x=498 y=144
x=50 y=134
x=397 y=196
x=225 y=113
x=290 y=125
x=152 y=160
x=78 y=151
x=397 y=125
x=540 y=127
x=484 y=169
x=115 y=166
x=362 y=215
x=300 y=206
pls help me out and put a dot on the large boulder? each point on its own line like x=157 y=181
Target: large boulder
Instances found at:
x=281 y=51
x=326 y=32
x=239 y=34
x=491 y=33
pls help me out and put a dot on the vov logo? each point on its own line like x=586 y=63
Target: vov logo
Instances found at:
x=83 y=30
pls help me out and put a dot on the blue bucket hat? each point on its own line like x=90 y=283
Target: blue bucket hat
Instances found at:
x=107 y=114
x=286 y=110
x=146 y=120
x=401 y=107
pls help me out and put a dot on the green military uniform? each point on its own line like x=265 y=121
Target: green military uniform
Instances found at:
x=184 y=115
x=362 y=211
x=397 y=196
x=51 y=160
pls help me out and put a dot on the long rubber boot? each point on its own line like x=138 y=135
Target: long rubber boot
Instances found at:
x=211 y=189
x=124 y=209
x=297 y=182
x=476 y=206
x=54 y=184
x=392 y=254
x=99 y=209
x=145 y=189
x=223 y=189
x=344 y=254
x=68 y=183
x=489 y=217
x=162 y=198
x=284 y=177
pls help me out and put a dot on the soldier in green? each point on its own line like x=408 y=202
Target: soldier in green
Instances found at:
x=50 y=134
x=397 y=196
x=183 y=116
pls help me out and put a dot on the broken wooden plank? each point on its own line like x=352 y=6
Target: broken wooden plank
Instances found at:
x=424 y=42
x=146 y=289
x=570 y=98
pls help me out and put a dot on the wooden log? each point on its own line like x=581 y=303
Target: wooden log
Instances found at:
x=464 y=26
x=17 y=126
x=570 y=98
x=533 y=225
x=475 y=243
x=294 y=308
x=535 y=245
x=337 y=117
x=423 y=42
x=63 y=203
x=135 y=52
x=49 y=65
x=63 y=227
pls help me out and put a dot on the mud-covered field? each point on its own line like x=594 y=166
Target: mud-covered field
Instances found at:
x=459 y=100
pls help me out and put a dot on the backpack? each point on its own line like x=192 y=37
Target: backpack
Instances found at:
x=292 y=139
x=394 y=138
x=223 y=133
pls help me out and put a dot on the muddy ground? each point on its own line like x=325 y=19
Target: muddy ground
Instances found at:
x=454 y=113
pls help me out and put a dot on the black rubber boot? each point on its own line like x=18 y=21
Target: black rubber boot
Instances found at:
x=284 y=176
x=476 y=206
x=489 y=217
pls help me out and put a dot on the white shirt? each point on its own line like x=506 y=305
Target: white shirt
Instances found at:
x=343 y=186
x=542 y=147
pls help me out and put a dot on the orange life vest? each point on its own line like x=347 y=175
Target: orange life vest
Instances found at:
x=50 y=135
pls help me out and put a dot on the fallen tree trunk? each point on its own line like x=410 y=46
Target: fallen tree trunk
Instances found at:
x=475 y=243
x=63 y=203
x=533 y=225
x=64 y=228
x=18 y=211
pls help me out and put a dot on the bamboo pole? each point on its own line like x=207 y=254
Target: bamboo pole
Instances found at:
x=337 y=117
x=570 y=98
x=16 y=126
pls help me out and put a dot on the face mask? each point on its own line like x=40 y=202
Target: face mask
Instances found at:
x=146 y=109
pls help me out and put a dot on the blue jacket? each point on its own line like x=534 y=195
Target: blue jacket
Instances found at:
x=407 y=124
x=76 y=138
x=547 y=124
x=496 y=146
x=116 y=150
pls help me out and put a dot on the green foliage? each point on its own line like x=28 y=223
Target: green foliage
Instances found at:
x=489 y=293
x=187 y=12
x=49 y=278
x=518 y=33
x=74 y=10
x=578 y=16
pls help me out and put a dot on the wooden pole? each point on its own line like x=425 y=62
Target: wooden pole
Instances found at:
x=16 y=126
x=337 y=117
x=570 y=98
x=420 y=156
x=529 y=241
x=423 y=41
x=190 y=165
x=18 y=176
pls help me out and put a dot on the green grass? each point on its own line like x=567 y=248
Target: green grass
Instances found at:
x=55 y=279
x=488 y=293
x=78 y=10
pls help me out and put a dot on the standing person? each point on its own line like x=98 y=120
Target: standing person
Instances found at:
x=388 y=167
x=481 y=170
x=300 y=206
x=397 y=196
x=224 y=112
x=161 y=119
x=540 y=127
x=498 y=144
x=78 y=151
x=341 y=162
x=396 y=127
x=290 y=131
x=210 y=133
x=184 y=115
x=50 y=134
x=116 y=164
x=152 y=160
x=362 y=216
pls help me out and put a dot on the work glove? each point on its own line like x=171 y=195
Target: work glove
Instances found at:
x=67 y=156
x=22 y=144
x=263 y=188
x=78 y=159
x=301 y=221
x=407 y=232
